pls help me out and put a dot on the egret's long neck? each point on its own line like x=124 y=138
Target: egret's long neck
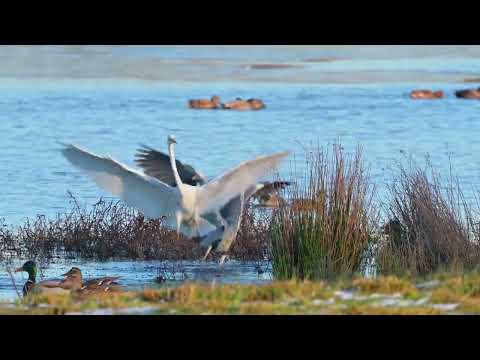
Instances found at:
x=173 y=163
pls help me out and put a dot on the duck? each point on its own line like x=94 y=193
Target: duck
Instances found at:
x=268 y=195
x=240 y=104
x=426 y=94
x=213 y=103
x=468 y=94
x=47 y=286
x=104 y=284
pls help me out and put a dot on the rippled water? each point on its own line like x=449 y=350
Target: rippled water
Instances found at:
x=111 y=99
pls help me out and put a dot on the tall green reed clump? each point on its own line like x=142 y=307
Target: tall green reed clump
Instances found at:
x=324 y=228
x=431 y=225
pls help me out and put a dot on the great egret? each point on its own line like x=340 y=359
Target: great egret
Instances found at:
x=157 y=164
x=183 y=207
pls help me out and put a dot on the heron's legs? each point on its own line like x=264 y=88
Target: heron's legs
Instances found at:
x=208 y=252
x=222 y=220
x=222 y=260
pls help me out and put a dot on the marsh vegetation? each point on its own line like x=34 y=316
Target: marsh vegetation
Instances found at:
x=331 y=226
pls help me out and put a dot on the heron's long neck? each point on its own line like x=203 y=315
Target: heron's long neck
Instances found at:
x=173 y=163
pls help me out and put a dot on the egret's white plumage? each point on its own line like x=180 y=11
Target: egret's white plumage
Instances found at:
x=183 y=206
x=228 y=219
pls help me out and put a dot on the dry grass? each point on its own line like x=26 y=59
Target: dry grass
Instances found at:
x=432 y=226
x=111 y=230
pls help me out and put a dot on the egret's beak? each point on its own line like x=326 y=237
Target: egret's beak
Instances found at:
x=19 y=269
x=173 y=141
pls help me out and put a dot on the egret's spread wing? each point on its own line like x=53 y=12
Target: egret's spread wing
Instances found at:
x=157 y=164
x=220 y=191
x=152 y=197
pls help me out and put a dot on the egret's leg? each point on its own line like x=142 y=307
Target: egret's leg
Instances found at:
x=179 y=224
x=208 y=252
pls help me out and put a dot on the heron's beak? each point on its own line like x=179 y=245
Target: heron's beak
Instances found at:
x=174 y=141
x=66 y=274
x=19 y=269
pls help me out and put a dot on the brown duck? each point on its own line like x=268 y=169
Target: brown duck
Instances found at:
x=468 y=94
x=104 y=284
x=239 y=104
x=426 y=94
x=213 y=103
x=268 y=194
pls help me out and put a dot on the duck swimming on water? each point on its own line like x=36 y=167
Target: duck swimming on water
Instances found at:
x=426 y=94
x=213 y=103
x=47 y=286
x=240 y=104
x=468 y=94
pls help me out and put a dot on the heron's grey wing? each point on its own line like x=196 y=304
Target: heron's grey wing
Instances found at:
x=149 y=195
x=157 y=164
x=215 y=194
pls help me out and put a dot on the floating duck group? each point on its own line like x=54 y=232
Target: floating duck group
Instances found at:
x=237 y=104
x=431 y=95
x=72 y=282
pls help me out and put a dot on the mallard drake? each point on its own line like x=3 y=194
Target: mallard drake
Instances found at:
x=104 y=284
x=426 y=94
x=47 y=286
x=213 y=103
x=468 y=94
x=239 y=104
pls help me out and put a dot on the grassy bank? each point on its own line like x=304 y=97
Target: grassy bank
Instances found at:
x=433 y=295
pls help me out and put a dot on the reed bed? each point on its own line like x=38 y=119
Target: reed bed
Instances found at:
x=431 y=225
x=324 y=229
x=330 y=225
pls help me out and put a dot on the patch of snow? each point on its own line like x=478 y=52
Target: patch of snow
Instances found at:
x=445 y=307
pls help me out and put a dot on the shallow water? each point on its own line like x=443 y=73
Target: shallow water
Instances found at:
x=109 y=99
x=136 y=275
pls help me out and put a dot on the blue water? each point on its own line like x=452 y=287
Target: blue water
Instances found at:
x=115 y=117
x=111 y=99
